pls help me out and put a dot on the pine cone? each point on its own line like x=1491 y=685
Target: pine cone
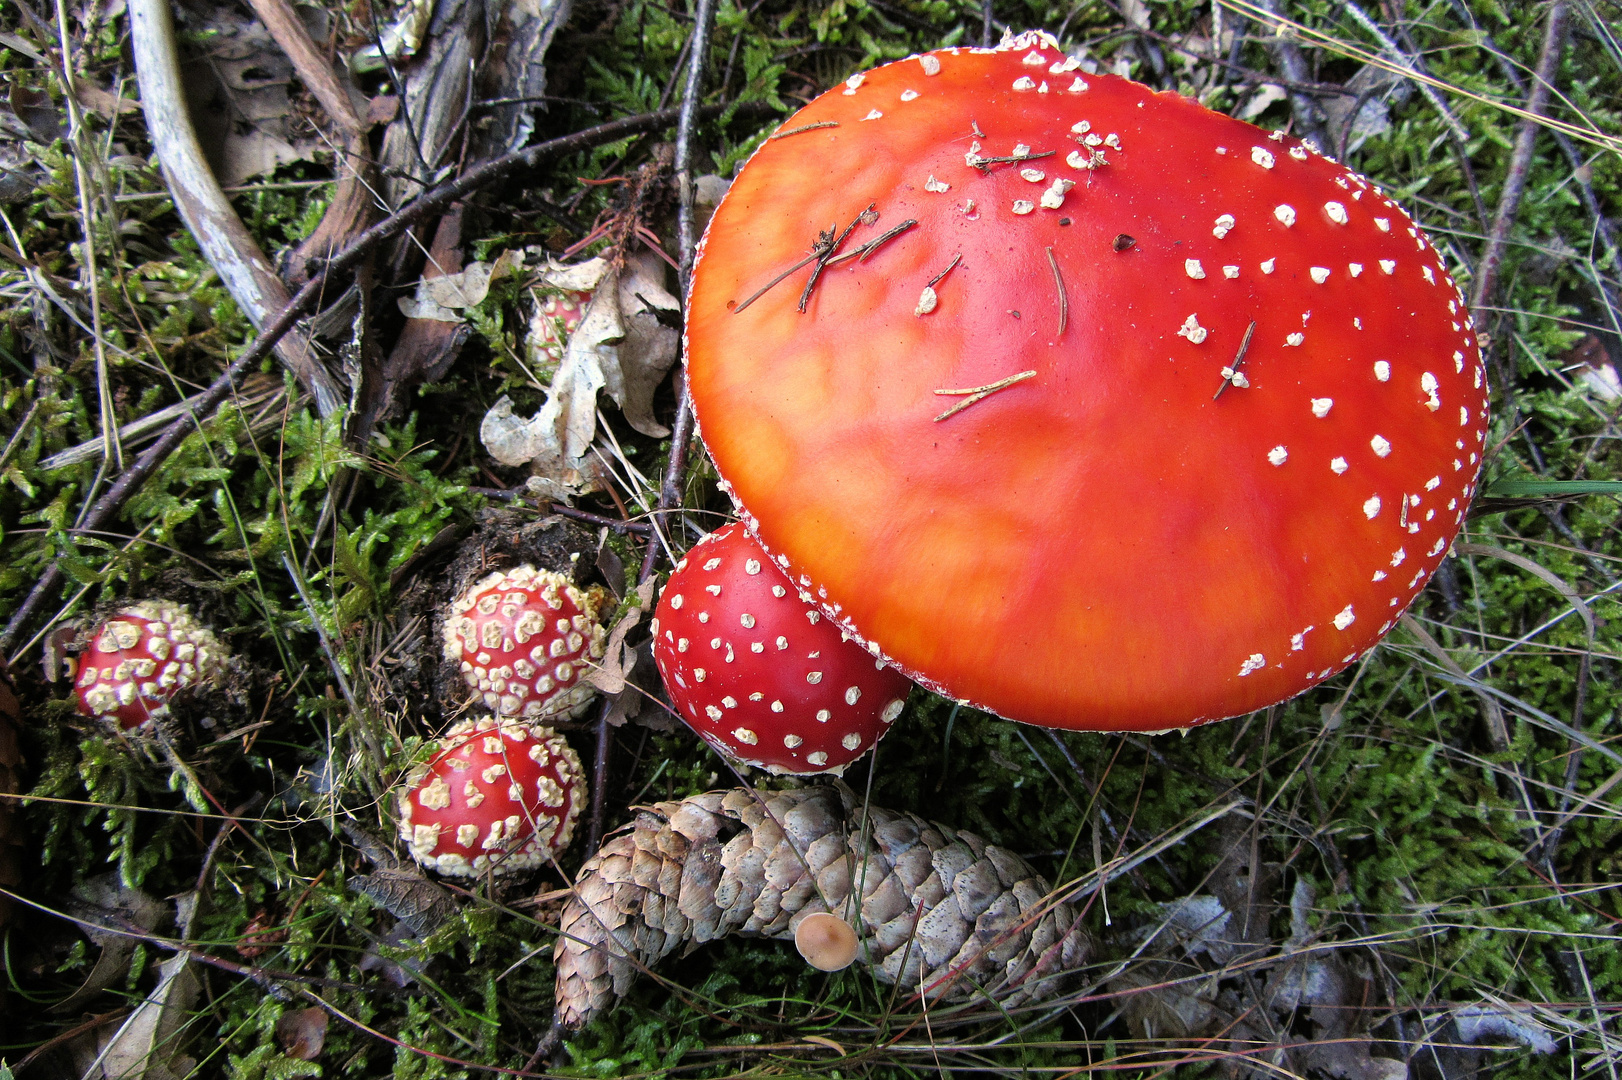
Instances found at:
x=738 y=861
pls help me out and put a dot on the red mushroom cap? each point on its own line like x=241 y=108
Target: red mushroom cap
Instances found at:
x=995 y=438
x=499 y=794
x=140 y=658
x=525 y=639
x=558 y=317
x=754 y=668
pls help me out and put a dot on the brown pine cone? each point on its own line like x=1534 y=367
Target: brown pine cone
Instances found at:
x=12 y=842
x=961 y=914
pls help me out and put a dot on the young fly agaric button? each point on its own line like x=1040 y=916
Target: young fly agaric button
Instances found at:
x=498 y=794
x=754 y=668
x=141 y=657
x=524 y=639
x=1093 y=407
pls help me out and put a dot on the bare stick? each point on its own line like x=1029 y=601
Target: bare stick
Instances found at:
x=1520 y=161
x=803 y=128
x=313 y=69
x=1058 y=283
x=936 y=280
x=860 y=254
x=764 y=289
x=208 y=215
x=980 y=393
x=430 y=203
x=1230 y=374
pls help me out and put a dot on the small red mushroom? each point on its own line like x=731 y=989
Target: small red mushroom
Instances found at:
x=558 y=317
x=499 y=795
x=140 y=657
x=1096 y=408
x=524 y=639
x=754 y=668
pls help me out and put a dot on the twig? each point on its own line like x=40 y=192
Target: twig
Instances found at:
x=208 y=215
x=860 y=254
x=429 y=203
x=827 y=246
x=803 y=128
x=1585 y=188
x=682 y=429
x=686 y=239
x=1509 y=201
x=112 y=448
x=766 y=288
x=980 y=393
x=938 y=278
x=1230 y=374
x=637 y=527
x=1058 y=283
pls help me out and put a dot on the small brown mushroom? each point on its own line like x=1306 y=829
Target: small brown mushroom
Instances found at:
x=826 y=941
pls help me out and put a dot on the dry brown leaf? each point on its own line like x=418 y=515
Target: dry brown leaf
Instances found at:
x=238 y=92
x=620 y=346
x=147 y=1045
x=404 y=892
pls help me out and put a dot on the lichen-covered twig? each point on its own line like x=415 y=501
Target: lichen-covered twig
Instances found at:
x=937 y=911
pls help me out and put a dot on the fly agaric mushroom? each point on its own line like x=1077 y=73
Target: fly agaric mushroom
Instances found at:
x=524 y=639
x=755 y=669
x=559 y=316
x=140 y=657
x=1091 y=407
x=499 y=794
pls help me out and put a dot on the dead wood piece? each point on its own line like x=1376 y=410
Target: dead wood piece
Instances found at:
x=520 y=75
x=313 y=69
x=437 y=90
x=353 y=207
x=937 y=911
x=208 y=215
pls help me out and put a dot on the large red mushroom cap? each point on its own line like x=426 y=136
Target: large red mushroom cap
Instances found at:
x=140 y=657
x=755 y=668
x=498 y=794
x=1090 y=407
x=524 y=640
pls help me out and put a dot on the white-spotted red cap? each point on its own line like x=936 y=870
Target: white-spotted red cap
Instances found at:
x=140 y=658
x=524 y=640
x=993 y=437
x=497 y=794
x=555 y=320
x=756 y=669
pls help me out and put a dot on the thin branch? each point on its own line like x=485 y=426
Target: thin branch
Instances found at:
x=682 y=429
x=1520 y=164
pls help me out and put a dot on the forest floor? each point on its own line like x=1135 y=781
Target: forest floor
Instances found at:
x=1423 y=852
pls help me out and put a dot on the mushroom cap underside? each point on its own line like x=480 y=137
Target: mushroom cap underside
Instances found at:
x=1106 y=543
